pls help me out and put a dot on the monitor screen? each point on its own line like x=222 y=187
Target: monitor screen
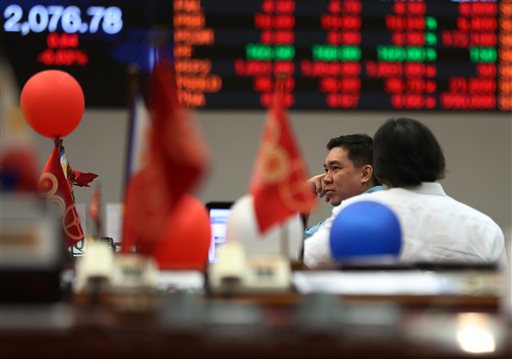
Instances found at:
x=219 y=214
x=96 y=41
x=438 y=55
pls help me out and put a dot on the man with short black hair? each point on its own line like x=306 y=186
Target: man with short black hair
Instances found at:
x=348 y=172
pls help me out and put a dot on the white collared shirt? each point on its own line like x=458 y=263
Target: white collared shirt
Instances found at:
x=435 y=228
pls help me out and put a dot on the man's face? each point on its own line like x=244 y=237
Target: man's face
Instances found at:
x=342 y=180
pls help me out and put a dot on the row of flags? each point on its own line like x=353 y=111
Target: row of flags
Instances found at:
x=168 y=159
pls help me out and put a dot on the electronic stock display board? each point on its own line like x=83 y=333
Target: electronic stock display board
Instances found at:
x=439 y=55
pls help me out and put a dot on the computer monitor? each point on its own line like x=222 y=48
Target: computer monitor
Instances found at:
x=219 y=214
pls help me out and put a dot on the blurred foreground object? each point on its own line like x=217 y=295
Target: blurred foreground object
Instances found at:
x=18 y=158
x=53 y=103
x=126 y=281
x=186 y=240
x=283 y=240
x=18 y=170
x=366 y=232
x=176 y=161
x=31 y=250
x=234 y=272
x=251 y=261
x=484 y=282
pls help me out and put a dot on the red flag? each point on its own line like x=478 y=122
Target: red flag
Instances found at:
x=82 y=179
x=54 y=185
x=177 y=159
x=95 y=210
x=279 y=184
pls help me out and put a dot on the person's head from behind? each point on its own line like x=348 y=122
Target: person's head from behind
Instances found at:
x=407 y=153
x=348 y=167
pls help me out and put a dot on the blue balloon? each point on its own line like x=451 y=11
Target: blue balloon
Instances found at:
x=366 y=231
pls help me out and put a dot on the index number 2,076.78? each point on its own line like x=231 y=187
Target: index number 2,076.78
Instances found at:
x=40 y=18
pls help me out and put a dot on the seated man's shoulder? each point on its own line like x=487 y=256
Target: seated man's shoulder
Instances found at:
x=466 y=210
x=378 y=196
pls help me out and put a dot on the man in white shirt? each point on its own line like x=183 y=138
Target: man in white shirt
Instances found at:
x=435 y=227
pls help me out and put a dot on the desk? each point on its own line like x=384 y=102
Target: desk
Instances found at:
x=193 y=326
x=200 y=324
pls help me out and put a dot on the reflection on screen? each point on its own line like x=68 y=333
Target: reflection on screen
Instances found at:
x=218 y=219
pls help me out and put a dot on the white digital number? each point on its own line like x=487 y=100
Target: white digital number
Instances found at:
x=112 y=20
x=53 y=18
x=55 y=14
x=13 y=14
x=97 y=14
x=71 y=20
x=38 y=18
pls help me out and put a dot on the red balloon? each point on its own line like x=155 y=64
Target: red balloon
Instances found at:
x=52 y=102
x=186 y=241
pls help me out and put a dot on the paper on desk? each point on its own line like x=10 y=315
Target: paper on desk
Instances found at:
x=371 y=283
